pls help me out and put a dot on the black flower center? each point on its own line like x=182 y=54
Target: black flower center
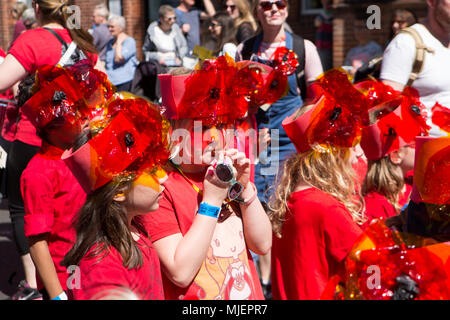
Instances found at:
x=214 y=93
x=59 y=96
x=336 y=113
x=415 y=109
x=129 y=139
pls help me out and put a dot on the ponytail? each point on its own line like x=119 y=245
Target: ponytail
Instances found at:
x=56 y=11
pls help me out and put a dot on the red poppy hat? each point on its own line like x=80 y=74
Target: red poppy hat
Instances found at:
x=59 y=99
x=221 y=91
x=133 y=141
x=68 y=95
x=335 y=119
x=391 y=130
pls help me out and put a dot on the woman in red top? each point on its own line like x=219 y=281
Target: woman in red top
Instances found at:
x=119 y=168
x=31 y=50
x=315 y=212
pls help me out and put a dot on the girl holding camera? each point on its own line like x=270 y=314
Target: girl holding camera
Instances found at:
x=209 y=215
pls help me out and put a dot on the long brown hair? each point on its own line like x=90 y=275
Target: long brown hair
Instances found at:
x=245 y=13
x=56 y=11
x=228 y=32
x=325 y=168
x=386 y=178
x=102 y=223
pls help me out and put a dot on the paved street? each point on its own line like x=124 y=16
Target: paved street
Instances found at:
x=10 y=267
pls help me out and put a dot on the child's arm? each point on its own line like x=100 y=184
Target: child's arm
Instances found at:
x=257 y=227
x=181 y=257
x=44 y=264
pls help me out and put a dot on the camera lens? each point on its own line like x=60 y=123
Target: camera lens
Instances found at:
x=224 y=172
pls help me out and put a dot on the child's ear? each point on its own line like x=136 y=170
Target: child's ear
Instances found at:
x=120 y=197
x=396 y=157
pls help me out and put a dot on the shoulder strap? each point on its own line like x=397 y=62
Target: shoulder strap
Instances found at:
x=421 y=50
x=57 y=36
x=247 y=49
x=299 y=49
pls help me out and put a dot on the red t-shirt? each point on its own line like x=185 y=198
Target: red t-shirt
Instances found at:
x=228 y=271
x=52 y=197
x=33 y=49
x=99 y=278
x=378 y=206
x=316 y=237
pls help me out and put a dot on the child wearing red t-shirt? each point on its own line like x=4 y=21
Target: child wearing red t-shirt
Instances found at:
x=201 y=231
x=31 y=50
x=315 y=210
x=52 y=195
x=119 y=168
x=389 y=147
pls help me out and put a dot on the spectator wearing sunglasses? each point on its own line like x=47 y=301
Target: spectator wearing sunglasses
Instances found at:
x=164 y=41
x=245 y=24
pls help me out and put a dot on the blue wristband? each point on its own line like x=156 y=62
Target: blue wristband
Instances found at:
x=62 y=296
x=208 y=210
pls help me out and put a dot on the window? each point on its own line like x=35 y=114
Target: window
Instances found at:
x=115 y=7
x=311 y=7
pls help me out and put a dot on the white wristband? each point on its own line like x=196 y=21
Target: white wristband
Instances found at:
x=62 y=296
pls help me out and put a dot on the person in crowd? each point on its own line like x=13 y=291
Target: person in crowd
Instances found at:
x=324 y=34
x=271 y=17
x=164 y=41
x=402 y=18
x=364 y=51
x=29 y=19
x=101 y=32
x=123 y=181
x=388 y=145
x=433 y=85
x=223 y=31
x=315 y=212
x=419 y=270
x=203 y=230
x=120 y=55
x=188 y=19
x=52 y=195
x=244 y=22
x=17 y=9
x=33 y=49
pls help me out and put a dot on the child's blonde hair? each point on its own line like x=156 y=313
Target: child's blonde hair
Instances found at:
x=325 y=168
x=386 y=178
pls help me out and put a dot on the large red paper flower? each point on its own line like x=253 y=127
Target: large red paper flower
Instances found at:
x=385 y=265
x=222 y=91
x=285 y=61
x=340 y=114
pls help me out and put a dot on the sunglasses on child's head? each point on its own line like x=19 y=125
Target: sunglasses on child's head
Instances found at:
x=267 y=5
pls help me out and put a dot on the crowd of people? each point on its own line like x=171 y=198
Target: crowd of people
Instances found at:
x=257 y=172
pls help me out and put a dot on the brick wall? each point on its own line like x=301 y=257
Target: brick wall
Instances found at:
x=345 y=12
x=6 y=24
x=134 y=13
